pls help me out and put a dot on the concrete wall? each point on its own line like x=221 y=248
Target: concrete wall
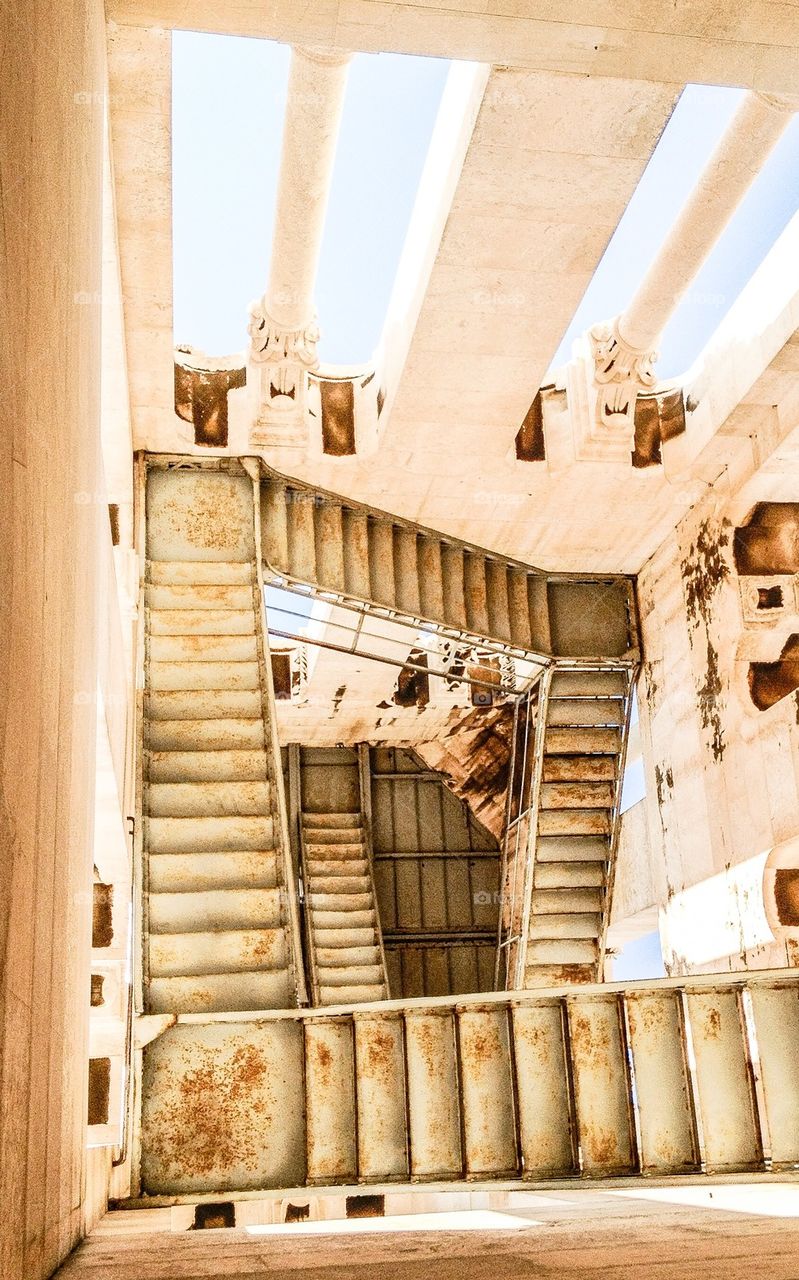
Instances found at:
x=722 y=778
x=51 y=523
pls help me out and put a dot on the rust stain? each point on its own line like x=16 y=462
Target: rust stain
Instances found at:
x=713 y=1024
x=786 y=895
x=603 y=1144
x=590 y=1041
x=380 y=1055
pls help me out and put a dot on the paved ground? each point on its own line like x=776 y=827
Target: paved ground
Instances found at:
x=581 y=1235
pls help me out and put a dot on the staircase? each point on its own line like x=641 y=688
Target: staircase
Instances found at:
x=345 y=942
x=336 y=546
x=585 y=715
x=662 y=1078
x=219 y=933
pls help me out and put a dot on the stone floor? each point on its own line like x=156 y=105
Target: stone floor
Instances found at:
x=713 y=1233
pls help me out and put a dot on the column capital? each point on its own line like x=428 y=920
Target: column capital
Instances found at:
x=621 y=373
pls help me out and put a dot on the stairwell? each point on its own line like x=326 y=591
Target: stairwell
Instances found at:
x=218 y=927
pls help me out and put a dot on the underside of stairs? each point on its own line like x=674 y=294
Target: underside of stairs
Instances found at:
x=218 y=932
x=347 y=960
x=586 y=713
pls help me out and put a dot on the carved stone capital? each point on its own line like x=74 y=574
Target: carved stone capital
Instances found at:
x=271 y=343
x=621 y=372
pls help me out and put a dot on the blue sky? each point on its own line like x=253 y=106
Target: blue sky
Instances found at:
x=228 y=100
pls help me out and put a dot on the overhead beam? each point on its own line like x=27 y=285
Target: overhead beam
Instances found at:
x=753 y=46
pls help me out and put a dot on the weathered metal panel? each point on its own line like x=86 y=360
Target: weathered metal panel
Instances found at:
x=545 y=1120
x=330 y=1100
x=356 y=554
x=433 y=1100
x=329 y=545
x=214 y=1111
x=381 y=561
x=274 y=526
x=730 y=1128
x=601 y=1086
x=196 y=514
x=301 y=536
x=665 y=1110
x=486 y=1072
x=380 y=1074
x=776 y=1015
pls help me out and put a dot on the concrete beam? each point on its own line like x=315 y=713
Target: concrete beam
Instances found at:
x=751 y=45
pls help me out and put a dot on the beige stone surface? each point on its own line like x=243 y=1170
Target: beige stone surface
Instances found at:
x=580 y=1234
x=753 y=45
x=51 y=527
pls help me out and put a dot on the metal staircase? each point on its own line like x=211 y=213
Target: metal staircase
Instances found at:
x=220 y=927
x=674 y=1077
x=345 y=942
x=341 y=548
x=562 y=826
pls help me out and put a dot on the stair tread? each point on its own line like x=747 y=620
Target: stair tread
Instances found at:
x=180 y=676
x=221 y=992
x=226 y=869
x=208 y=799
x=217 y=572
x=214 y=910
x=197 y=622
x=222 y=951
x=207 y=766
x=352 y=995
x=208 y=834
x=234 y=733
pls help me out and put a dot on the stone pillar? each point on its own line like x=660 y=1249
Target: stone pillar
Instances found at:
x=283 y=330
x=624 y=350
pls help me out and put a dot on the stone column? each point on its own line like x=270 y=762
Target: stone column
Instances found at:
x=624 y=350
x=283 y=329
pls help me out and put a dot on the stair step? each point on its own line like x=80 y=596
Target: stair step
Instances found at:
x=221 y=992
x=216 y=572
x=207 y=766
x=201 y=622
x=576 y=795
x=562 y=951
x=341 y=837
x=579 y=768
x=195 y=595
x=336 y=902
x=344 y=937
x=208 y=835
x=320 y=821
x=215 y=909
x=350 y=975
x=204 y=704
x=556 y=975
x=232 y=951
x=225 y=734
x=329 y=920
x=582 y=741
x=186 y=872
x=208 y=799
x=328 y=869
x=565 y=822
x=608 y=684
x=571 y=925
x=567 y=900
x=571 y=849
x=203 y=675
x=327 y=957
x=347 y=885
x=569 y=875
x=191 y=648
x=585 y=711
x=334 y=852
x=351 y=995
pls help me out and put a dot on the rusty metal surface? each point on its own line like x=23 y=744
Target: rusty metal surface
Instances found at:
x=519 y=1088
x=544 y=1107
x=601 y=1085
x=330 y=1090
x=776 y=1019
x=489 y=1127
x=221 y=1108
x=730 y=1128
x=433 y=1097
x=382 y=1120
x=667 y=1125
